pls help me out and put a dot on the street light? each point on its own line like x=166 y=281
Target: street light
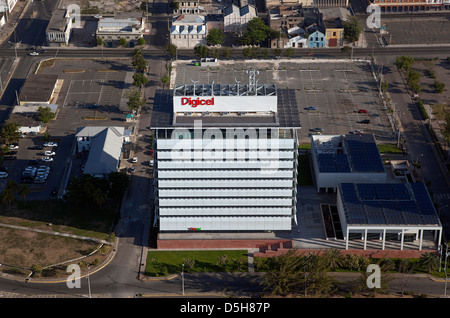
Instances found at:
x=182 y=278
x=89 y=283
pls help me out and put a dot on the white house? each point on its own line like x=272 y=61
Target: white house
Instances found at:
x=59 y=27
x=104 y=144
x=188 y=31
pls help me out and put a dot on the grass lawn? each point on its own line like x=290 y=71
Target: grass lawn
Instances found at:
x=304 y=177
x=389 y=148
x=162 y=263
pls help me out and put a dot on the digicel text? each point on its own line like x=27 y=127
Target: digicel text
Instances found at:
x=196 y=102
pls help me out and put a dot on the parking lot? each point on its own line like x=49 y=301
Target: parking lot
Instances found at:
x=85 y=83
x=417 y=30
x=338 y=89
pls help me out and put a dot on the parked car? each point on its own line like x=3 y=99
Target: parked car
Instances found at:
x=131 y=169
x=36 y=147
x=34 y=162
x=47 y=159
x=42 y=51
x=4 y=169
x=318 y=129
x=49 y=153
x=365 y=121
x=31 y=48
x=50 y=144
x=134 y=160
x=311 y=108
x=3 y=174
x=33 y=53
x=362 y=111
x=13 y=146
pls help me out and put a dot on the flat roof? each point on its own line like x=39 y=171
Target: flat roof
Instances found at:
x=58 y=21
x=287 y=115
x=348 y=153
x=38 y=88
x=388 y=204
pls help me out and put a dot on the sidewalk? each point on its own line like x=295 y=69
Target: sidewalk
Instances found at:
x=14 y=16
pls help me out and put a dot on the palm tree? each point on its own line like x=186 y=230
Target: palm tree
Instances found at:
x=333 y=258
x=285 y=274
x=8 y=193
x=23 y=190
x=429 y=261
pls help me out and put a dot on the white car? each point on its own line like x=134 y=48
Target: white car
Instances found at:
x=50 y=144
x=3 y=174
x=33 y=53
x=49 y=153
x=134 y=160
x=47 y=159
x=13 y=146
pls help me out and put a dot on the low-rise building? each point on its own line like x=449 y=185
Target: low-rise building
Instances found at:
x=104 y=144
x=334 y=32
x=39 y=89
x=235 y=18
x=124 y=25
x=188 y=31
x=316 y=36
x=27 y=117
x=59 y=28
x=412 y=5
x=7 y=5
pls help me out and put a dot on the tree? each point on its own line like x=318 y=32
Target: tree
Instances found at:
x=171 y=49
x=333 y=258
x=439 y=86
x=352 y=29
x=225 y=52
x=141 y=41
x=10 y=133
x=8 y=194
x=138 y=61
x=404 y=62
x=99 y=41
x=215 y=37
x=23 y=190
x=123 y=42
x=45 y=114
x=135 y=101
x=139 y=79
x=429 y=261
x=201 y=51
x=285 y=275
x=257 y=32
x=119 y=183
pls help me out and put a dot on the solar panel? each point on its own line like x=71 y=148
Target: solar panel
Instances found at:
x=410 y=212
x=392 y=212
x=374 y=212
x=384 y=192
x=366 y=191
x=400 y=191
x=355 y=214
x=348 y=192
x=364 y=153
x=424 y=203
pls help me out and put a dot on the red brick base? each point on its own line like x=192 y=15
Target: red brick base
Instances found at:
x=275 y=247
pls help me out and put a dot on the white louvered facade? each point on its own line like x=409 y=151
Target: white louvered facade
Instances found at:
x=242 y=188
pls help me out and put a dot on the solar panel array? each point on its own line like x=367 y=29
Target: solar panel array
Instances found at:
x=333 y=163
x=363 y=153
x=387 y=203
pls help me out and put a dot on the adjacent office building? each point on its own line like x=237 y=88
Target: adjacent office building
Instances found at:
x=59 y=28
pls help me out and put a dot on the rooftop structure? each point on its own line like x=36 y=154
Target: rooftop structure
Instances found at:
x=105 y=148
x=387 y=209
x=346 y=158
x=38 y=89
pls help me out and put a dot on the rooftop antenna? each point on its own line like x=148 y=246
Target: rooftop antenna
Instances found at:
x=193 y=93
x=252 y=80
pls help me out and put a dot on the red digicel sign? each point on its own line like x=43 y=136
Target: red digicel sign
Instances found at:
x=196 y=102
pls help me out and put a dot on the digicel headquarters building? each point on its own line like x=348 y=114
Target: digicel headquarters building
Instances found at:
x=225 y=160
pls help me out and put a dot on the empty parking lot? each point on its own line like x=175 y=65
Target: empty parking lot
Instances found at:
x=337 y=88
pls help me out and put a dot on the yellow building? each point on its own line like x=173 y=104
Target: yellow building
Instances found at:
x=334 y=32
